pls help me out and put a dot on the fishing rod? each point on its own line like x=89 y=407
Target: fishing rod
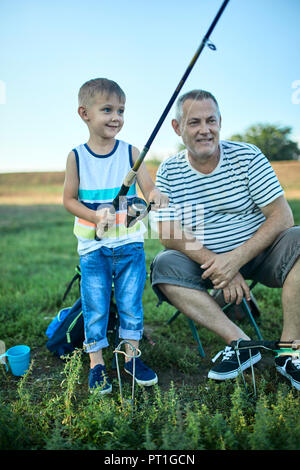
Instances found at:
x=281 y=348
x=270 y=345
x=138 y=207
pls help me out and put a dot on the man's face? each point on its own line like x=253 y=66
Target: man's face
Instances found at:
x=199 y=128
x=105 y=115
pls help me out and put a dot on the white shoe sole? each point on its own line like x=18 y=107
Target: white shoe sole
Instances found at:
x=146 y=383
x=101 y=392
x=234 y=373
x=283 y=372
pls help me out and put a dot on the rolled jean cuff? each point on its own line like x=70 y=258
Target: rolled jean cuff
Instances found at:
x=130 y=334
x=95 y=345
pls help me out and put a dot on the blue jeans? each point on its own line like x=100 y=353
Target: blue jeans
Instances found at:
x=125 y=267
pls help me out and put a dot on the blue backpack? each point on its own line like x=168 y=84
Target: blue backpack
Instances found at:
x=66 y=330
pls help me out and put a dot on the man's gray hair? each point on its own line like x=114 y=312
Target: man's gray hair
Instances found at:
x=197 y=95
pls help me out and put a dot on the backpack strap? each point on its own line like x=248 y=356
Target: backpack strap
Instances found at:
x=71 y=326
x=77 y=276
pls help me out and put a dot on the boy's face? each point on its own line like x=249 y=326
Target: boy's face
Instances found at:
x=104 y=115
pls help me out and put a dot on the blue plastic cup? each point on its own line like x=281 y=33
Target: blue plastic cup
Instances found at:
x=18 y=359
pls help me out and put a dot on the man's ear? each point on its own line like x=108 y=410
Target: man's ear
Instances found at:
x=176 y=126
x=82 y=111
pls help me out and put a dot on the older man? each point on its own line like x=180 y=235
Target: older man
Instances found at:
x=227 y=221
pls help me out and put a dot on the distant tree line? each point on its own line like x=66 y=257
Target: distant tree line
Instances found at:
x=272 y=140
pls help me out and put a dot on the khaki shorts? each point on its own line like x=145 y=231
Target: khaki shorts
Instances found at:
x=269 y=268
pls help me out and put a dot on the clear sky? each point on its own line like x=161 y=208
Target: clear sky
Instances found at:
x=49 y=48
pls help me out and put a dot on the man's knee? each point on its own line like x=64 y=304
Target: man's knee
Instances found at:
x=291 y=239
x=292 y=235
x=163 y=262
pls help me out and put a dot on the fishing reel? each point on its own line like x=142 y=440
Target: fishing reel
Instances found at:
x=136 y=208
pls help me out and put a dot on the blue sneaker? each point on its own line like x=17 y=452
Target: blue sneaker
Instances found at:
x=98 y=380
x=143 y=374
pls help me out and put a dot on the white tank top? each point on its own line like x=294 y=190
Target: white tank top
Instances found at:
x=100 y=179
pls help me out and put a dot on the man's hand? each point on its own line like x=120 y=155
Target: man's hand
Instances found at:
x=104 y=220
x=236 y=289
x=221 y=269
x=159 y=199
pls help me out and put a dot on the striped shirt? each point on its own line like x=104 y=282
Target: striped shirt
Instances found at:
x=100 y=179
x=222 y=208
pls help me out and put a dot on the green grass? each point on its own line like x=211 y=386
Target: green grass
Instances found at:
x=51 y=408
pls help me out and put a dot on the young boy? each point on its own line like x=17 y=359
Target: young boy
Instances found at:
x=94 y=173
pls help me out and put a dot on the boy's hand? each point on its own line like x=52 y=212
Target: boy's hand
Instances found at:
x=159 y=199
x=105 y=219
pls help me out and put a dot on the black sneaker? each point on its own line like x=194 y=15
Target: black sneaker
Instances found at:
x=289 y=367
x=230 y=367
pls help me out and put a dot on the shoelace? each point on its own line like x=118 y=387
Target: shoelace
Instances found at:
x=296 y=362
x=227 y=353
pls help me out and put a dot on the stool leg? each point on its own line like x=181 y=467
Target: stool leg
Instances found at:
x=173 y=317
x=251 y=318
x=196 y=336
x=194 y=331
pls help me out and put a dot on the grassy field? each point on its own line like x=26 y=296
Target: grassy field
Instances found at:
x=51 y=408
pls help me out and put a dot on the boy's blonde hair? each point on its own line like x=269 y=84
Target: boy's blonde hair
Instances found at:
x=99 y=85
